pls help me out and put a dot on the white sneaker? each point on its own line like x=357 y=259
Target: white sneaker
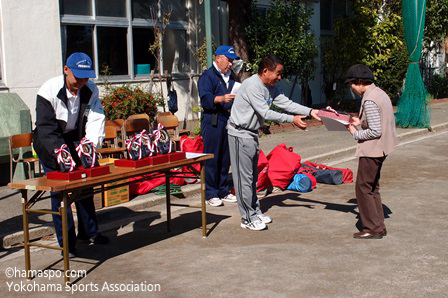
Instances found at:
x=215 y=202
x=264 y=218
x=229 y=198
x=257 y=225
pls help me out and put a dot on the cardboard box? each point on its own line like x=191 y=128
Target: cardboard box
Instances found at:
x=106 y=161
x=97 y=201
x=117 y=195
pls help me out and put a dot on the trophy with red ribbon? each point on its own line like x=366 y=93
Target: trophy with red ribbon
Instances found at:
x=65 y=160
x=87 y=153
x=162 y=140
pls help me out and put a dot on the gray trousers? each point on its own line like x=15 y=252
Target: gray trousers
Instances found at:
x=244 y=159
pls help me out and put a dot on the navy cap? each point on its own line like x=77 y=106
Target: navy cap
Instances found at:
x=359 y=72
x=227 y=51
x=81 y=65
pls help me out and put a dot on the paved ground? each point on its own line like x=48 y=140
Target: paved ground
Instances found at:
x=307 y=251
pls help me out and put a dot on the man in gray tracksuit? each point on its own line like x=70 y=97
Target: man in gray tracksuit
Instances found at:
x=250 y=109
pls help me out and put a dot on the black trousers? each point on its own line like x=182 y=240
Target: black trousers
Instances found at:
x=87 y=222
x=368 y=194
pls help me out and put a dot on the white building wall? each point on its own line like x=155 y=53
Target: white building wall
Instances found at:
x=31 y=46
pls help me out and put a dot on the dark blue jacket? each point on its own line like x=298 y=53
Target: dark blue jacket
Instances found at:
x=210 y=85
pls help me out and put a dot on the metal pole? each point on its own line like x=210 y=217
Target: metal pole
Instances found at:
x=208 y=32
x=203 y=205
x=26 y=233
x=168 y=201
x=65 y=244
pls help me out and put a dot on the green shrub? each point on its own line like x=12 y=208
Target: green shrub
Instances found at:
x=122 y=102
x=372 y=36
x=438 y=87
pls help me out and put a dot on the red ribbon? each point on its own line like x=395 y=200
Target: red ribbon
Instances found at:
x=59 y=152
x=332 y=110
x=81 y=152
x=157 y=135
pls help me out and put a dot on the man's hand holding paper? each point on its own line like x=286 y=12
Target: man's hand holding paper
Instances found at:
x=235 y=88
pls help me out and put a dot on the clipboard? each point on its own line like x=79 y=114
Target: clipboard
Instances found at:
x=334 y=124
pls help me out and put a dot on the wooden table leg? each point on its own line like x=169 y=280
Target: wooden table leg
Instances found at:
x=204 y=213
x=26 y=234
x=168 y=202
x=65 y=244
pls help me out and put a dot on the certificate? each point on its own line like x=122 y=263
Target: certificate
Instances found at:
x=334 y=124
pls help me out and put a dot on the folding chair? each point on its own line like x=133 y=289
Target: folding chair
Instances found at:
x=20 y=141
x=139 y=116
x=132 y=126
x=171 y=123
x=113 y=149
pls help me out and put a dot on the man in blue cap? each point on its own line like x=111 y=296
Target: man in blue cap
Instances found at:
x=215 y=86
x=68 y=109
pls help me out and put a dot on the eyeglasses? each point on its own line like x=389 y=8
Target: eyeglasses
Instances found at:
x=228 y=59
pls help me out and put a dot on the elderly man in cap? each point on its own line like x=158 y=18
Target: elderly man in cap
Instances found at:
x=215 y=85
x=376 y=138
x=68 y=109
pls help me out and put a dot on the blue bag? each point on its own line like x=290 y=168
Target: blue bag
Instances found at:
x=300 y=183
x=172 y=101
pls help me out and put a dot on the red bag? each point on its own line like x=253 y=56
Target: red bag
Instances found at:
x=263 y=178
x=143 y=187
x=140 y=188
x=347 y=174
x=177 y=180
x=310 y=172
x=283 y=163
x=191 y=145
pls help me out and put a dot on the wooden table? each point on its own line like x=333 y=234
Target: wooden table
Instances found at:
x=71 y=191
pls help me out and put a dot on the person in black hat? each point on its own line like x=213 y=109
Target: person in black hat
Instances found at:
x=215 y=86
x=68 y=109
x=375 y=133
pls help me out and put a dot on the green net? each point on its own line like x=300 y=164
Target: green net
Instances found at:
x=161 y=190
x=413 y=108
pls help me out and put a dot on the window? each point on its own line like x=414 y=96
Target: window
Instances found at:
x=262 y=11
x=79 y=7
x=112 y=49
x=77 y=39
x=178 y=9
x=117 y=34
x=142 y=39
x=330 y=11
x=108 y=8
x=174 y=57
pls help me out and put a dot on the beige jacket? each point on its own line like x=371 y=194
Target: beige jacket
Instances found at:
x=386 y=143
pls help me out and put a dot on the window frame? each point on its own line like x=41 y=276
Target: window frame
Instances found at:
x=123 y=22
x=347 y=8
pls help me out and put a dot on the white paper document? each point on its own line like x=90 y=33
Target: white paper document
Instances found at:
x=235 y=88
x=334 y=124
x=194 y=154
